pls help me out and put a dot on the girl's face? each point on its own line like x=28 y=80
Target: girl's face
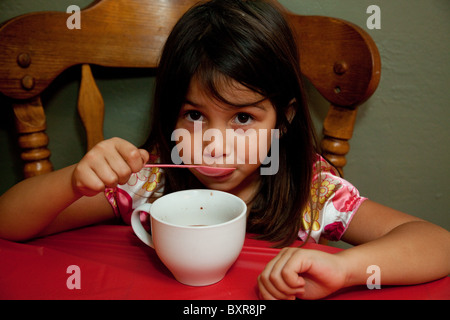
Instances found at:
x=215 y=129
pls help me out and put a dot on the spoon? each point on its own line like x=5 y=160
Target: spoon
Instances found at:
x=205 y=170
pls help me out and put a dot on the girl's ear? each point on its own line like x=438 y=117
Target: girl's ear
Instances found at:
x=290 y=114
x=290 y=111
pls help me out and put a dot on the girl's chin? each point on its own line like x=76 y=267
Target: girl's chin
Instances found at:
x=235 y=183
x=222 y=183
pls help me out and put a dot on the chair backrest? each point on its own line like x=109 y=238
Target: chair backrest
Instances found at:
x=339 y=58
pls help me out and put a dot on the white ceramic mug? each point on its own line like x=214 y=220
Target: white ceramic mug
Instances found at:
x=198 y=234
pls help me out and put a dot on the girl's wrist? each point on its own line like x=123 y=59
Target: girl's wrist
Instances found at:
x=355 y=273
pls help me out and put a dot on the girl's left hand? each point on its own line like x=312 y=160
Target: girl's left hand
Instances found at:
x=301 y=273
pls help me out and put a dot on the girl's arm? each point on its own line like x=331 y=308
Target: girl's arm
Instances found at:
x=70 y=197
x=407 y=250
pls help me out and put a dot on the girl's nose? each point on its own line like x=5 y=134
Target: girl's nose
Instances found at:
x=215 y=146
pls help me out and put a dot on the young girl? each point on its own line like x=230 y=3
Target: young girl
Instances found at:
x=230 y=65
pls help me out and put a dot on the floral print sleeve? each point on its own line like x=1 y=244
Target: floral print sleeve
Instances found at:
x=334 y=202
x=143 y=185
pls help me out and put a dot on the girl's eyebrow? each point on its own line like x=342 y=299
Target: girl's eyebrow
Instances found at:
x=193 y=104
x=257 y=104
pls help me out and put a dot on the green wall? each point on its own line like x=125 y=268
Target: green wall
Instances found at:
x=400 y=150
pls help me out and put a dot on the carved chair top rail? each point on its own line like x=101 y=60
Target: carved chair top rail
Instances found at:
x=339 y=58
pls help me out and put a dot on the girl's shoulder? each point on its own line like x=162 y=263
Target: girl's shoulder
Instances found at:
x=334 y=201
x=323 y=166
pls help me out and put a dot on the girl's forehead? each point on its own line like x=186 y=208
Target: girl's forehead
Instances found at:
x=226 y=90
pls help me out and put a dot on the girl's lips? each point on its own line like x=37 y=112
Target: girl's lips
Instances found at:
x=214 y=171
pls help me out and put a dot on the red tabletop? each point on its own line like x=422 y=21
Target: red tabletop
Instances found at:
x=114 y=264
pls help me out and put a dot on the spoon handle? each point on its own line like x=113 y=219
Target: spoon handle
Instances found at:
x=160 y=165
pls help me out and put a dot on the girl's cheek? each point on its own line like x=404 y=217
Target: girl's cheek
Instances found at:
x=252 y=147
x=184 y=147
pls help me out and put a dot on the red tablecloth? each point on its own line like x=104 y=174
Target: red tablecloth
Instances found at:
x=114 y=264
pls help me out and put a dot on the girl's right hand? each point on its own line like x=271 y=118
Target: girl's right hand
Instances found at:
x=107 y=164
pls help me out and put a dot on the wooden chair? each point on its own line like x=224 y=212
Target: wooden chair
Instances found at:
x=340 y=59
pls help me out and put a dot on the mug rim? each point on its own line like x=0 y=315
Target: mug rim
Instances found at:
x=244 y=211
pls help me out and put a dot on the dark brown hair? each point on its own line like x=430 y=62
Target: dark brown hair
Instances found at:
x=251 y=43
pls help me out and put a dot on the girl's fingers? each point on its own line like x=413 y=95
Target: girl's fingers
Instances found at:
x=269 y=294
x=135 y=158
x=109 y=163
x=286 y=278
x=117 y=170
x=86 y=182
x=123 y=159
x=109 y=171
x=273 y=282
x=293 y=267
x=145 y=156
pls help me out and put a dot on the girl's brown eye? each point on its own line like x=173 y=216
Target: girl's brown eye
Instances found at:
x=194 y=115
x=243 y=118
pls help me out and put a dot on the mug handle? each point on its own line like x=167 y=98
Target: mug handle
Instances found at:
x=136 y=224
